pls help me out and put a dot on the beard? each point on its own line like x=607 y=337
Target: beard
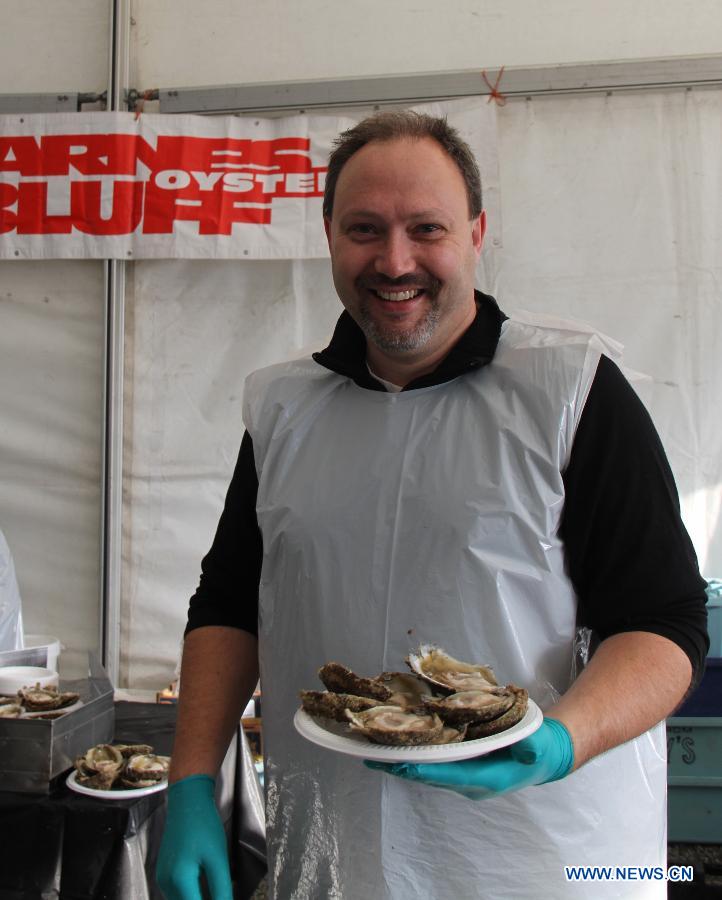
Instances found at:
x=392 y=339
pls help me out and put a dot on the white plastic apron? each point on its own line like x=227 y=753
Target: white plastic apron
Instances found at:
x=431 y=516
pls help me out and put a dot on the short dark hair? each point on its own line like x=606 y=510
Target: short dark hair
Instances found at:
x=394 y=125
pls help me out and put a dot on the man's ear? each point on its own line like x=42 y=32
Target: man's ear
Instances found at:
x=478 y=230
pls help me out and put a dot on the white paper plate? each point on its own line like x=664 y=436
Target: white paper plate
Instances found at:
x=40 y=713
x=125 y=794
x=336 y=736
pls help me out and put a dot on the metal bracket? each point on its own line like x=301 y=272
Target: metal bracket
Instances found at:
x=522 y=82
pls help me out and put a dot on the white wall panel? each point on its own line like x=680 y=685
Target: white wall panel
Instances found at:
x=194 y=330
x=54 y=45
x=612 y=215
x=51 y=373
x=181 y=43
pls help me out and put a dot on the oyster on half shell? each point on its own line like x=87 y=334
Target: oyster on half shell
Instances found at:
x=471 y=706
x=396 y=726
x=443 y=671
x=99 y=767
x=341 y=680
x=514 y=714
x=144 y=770
x=333 y=706
x=407 y=689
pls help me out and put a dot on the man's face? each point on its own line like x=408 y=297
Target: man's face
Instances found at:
x=403 y=249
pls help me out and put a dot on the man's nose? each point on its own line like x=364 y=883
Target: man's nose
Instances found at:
x=395 y=256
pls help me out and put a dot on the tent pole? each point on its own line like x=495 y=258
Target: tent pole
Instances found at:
x=112 y=468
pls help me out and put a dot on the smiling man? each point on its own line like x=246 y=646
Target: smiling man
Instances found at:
x=404 y=242
x=439 y=472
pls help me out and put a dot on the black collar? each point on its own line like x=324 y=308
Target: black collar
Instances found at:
x=346 y=354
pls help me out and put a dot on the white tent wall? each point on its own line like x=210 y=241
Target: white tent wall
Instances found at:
x=611 y=215
x=180 y=43
x=51 y=372
x=52 y=361
x=195 y=331
x=643 y=266
x=54 y=47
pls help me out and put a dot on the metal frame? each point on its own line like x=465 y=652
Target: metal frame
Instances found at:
x=114 y=322
x=38 y=103
x=277 y=97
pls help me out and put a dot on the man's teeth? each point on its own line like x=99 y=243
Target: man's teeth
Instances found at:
x=399 y=295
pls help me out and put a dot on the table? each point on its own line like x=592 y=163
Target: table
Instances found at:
x=80 y=848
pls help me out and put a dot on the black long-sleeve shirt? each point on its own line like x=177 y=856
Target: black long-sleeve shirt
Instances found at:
x=628 y=553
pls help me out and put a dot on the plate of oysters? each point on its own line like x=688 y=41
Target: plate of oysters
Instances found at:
x=119 y=772
x=442 y=710
x=39 y=702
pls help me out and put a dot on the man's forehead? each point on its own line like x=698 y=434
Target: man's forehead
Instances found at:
x=411 y=162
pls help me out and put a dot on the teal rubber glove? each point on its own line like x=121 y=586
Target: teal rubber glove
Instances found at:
x=547 y=755
x=193 y=841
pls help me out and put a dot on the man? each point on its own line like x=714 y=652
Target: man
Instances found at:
x=439 y=473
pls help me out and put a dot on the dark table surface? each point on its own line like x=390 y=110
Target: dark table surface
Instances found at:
x=74 y=847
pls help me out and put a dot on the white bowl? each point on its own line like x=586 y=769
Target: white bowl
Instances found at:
x=12 y=678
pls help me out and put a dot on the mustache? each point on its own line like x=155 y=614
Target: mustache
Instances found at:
x=379 y=283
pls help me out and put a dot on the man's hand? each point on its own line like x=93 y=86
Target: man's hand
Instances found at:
x=547 y=755
x=194 y=841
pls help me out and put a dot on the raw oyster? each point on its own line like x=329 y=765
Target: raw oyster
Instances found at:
x=99 y=767
x=407 y=689
x=334 y=706
x=438 y=668
x=10 y=711
x=37 y=699
x=341 y=680
x=393 y=725
x=144 y=770
x=128 y=750
x=451 y=735
x=514 y=714
x=471 y=706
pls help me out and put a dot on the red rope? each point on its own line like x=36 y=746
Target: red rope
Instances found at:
x=140 y=103
x=494 y=93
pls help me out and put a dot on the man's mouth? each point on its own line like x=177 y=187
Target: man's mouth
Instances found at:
x=398 y=296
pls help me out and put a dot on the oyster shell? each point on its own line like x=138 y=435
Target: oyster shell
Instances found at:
x=10 y=711
x=514 y=714
x=451 y=735
x=99 y=767
x=39 y=699
x=471 y=706
x=334 y=706
x=438 y=668
x=144 y=770
x=341 y=680
x=128 y=750
x=407 y=689
x=396 y=726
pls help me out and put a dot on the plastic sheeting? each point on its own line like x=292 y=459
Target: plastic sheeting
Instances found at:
x=355 y=488
x=51 y=383
x=612 y=215
x=11 y=610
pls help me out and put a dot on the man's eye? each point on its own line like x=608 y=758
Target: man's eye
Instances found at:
x=362 y=228
x=428 y=228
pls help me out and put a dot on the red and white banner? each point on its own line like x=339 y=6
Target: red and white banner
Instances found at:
x=110 y=185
